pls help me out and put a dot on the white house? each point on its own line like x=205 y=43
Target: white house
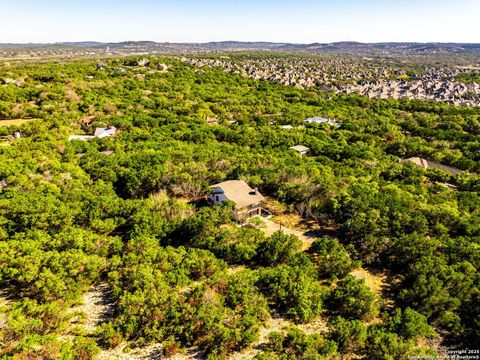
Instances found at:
x=248 y=201
x=320 y=120
x=105 y=132
x=99 y=133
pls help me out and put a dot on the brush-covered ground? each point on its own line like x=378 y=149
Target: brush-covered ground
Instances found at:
x=106 y=245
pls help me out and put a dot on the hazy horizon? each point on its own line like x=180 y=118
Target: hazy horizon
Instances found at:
x=236 y=41
x=187 y=21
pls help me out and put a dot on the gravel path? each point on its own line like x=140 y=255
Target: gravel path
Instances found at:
x=97 y=307
x=149 y=352
x=4 y=300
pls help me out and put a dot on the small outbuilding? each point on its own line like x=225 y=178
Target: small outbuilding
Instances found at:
x=300 y=149
x=211 y=120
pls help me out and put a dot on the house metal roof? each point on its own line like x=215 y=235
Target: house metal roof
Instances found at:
x=425 y=164
x=320 y=120
x=239 y=192
x=104 y=132
x=300 y=148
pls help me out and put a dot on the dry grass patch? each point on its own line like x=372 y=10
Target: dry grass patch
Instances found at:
x=279 y=324
x=15 y=122
x=317 y=326
x=283 y=214
x=293 y=221
x=272 y=227
x=375 y=282
x=275 y=206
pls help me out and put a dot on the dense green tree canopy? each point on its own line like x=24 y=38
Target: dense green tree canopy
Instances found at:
x=128 y=211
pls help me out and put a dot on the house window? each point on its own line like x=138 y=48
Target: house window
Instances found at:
x=216 y=197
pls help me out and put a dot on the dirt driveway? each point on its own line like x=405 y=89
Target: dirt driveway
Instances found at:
x=272 y=227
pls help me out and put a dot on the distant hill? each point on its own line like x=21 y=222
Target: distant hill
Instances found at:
x=43 y=45
x=342 y=47
x=242 y=44
x=81 y=43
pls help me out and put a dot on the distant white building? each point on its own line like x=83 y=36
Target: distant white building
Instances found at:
x=300 y=149
x=105 y=132
x=289 y=127
x=320 y=120
x=143 y=62
x=99 y=133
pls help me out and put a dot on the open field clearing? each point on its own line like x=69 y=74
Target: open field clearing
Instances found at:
x=15 y=122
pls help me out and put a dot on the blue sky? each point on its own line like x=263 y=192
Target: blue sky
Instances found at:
x=300 y=21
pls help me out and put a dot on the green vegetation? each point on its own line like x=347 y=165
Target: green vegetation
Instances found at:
x=469 y=77
x=298 y=345
x=181 y=273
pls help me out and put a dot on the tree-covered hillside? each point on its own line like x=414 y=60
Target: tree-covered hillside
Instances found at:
x=127 y=211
